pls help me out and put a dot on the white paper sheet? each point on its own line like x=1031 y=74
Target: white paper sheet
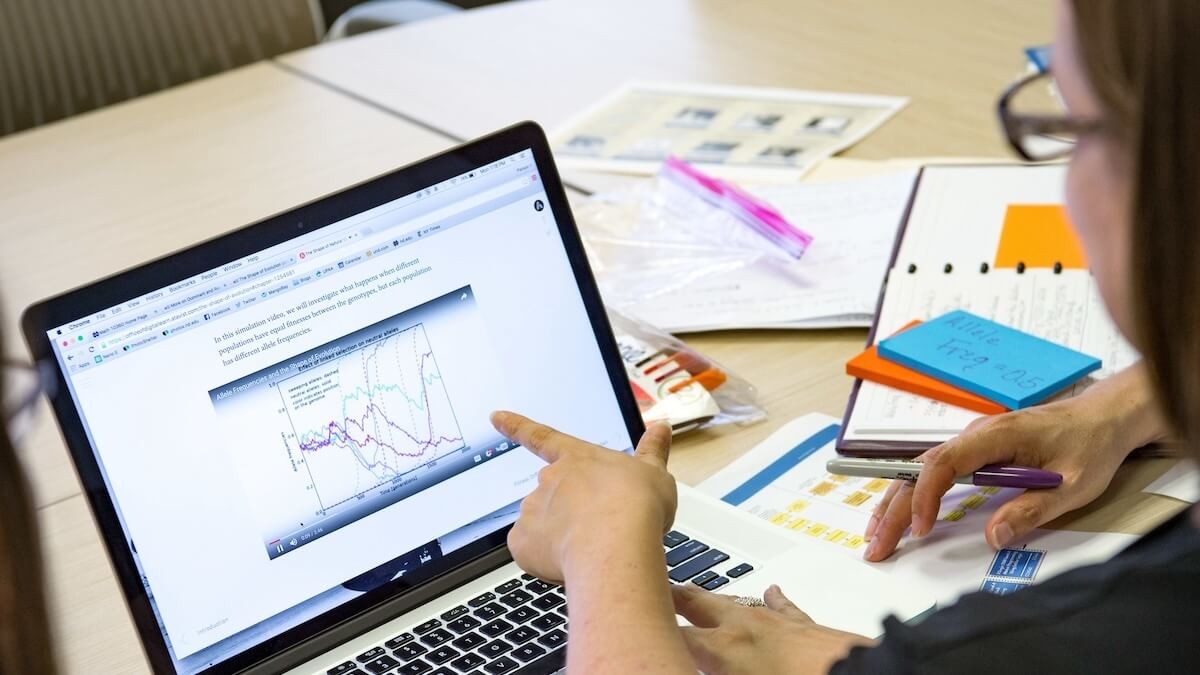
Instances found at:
x=836 y=283
x=1181 y=481
x=954 y=559
x=747 y=133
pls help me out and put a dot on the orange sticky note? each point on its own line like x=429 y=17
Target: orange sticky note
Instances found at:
x=869 y=365
x=1038 y=235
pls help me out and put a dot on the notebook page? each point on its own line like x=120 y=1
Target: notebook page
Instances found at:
x=1063 y=307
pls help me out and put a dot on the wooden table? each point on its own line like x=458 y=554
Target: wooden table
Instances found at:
x=546 y=60
x=113 y=188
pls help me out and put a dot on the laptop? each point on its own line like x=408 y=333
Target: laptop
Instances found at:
x=283 y=432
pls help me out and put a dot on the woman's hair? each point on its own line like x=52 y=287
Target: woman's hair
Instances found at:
x=24 y=621
x=1142 y=60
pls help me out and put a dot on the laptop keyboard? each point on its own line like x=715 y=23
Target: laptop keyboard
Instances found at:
x=520 y=626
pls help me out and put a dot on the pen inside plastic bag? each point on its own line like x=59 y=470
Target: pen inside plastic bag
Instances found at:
x=784 y=237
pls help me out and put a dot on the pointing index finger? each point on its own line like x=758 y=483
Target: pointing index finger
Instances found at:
x=540 y=439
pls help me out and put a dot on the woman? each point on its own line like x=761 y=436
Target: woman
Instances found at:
x=1127 y=73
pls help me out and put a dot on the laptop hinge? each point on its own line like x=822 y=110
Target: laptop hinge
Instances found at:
x=381 y=614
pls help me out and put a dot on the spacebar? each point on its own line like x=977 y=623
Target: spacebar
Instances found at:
x=547 y=665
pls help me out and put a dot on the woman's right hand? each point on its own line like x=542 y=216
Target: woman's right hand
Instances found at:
x=1084 y=438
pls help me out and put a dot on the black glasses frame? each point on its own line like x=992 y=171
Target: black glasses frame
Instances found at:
x=1017 y=126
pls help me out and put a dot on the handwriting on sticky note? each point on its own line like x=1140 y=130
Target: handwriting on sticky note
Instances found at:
x=999 y=363
x=979 y=338
x=870 y=366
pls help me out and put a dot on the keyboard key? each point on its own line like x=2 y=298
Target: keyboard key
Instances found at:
x=554 y=639
x=494 y=648
x=381 y=664
x=481 y=600
x=715 y=584
x=409 y=651
x=495 y=628
x=521 y=614
x=490 y=611
x=528 y=652
x=441 y=655
x=673 y=539
x=547 y=621
x=510 y=585
x=704 y=578
x=562 y=610
x=398 y=640
x=516 y=598
x=528 y=577
x=463 y=624
x=697 y=565
x=415 y=668
x=501 y=665
x=443 y=671
x=521 y=635
x=341 y=668
x=427 y=626
x=548 y=602
x=739 y=570
x=437 y=637
x=452 y=614
x=469 y=641
x=538 y=586
x=371 y=654
x=468 y=661
x=684 y=551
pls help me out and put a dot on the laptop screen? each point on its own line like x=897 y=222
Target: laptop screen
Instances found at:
x=294 y=428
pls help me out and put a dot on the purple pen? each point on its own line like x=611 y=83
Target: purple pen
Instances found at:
x=1027 y=477
x=992 y=475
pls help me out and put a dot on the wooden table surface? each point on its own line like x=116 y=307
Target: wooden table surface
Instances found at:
x=107 y=190
x=548 y=60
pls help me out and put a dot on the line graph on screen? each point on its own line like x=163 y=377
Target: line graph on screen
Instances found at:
x=370 y=417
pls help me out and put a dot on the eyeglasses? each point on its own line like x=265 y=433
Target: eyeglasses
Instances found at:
x=1036 y=122
x=23 y=385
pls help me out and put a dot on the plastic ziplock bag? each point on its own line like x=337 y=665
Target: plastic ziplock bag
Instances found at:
x=682 y=226
x=674 y=383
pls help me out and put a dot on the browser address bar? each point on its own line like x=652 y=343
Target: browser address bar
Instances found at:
x=461 y=205
x=427 y=218
x=185 y=313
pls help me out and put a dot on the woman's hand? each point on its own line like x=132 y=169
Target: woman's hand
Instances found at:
x=1084 y=438
x=589 y=497
x=730 y=639
x=595 y=522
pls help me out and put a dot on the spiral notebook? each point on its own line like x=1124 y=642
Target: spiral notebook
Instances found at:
x=993 y=240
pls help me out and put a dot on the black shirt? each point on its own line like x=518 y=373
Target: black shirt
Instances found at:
x=1137 y=613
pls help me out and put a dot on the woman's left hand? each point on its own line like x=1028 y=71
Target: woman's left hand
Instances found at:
x=726 y=638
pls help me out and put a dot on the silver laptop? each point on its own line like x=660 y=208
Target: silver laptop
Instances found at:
x=283 y=432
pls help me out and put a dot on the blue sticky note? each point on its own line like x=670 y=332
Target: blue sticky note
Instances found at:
x=1016 y=563
x=997 y=587
x=1005 y=365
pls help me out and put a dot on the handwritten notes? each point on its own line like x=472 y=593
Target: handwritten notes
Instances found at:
x=1002 y=364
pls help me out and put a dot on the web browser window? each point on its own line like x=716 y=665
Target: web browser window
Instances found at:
x=274 y=429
